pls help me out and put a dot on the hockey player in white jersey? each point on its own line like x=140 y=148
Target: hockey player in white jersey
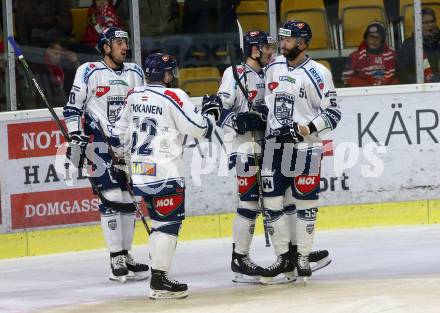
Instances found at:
x=98 y=92
x=243 y=119
x=301 y=99
x=151 y=126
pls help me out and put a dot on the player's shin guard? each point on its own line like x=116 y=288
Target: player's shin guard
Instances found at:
x=243 y=229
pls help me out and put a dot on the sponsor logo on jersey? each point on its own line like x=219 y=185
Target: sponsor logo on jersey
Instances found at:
x=260 y=86
x=305 y=184
x=272 y=85
x=283 y=107
x=102 y=90
x=144 y=98
x=317 y=78
x=287 y=79
x=114 y=105
x=165 y=205
x=252 y=94
x=117 y=82
x=174 y=96
x=245 y=184
x=143 y=168
x=164 y=146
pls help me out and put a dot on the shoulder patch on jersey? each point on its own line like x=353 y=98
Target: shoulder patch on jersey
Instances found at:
x=174 y=96
x=272 y=85
x=102 y=90
x=317 y=78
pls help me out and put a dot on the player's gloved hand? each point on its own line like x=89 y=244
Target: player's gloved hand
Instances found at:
x=290 y=134
x=263 y=110
x=248 y=121
x=212 y=105
x=76 y=152
x=118 y=173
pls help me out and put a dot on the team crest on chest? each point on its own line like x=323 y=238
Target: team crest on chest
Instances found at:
x=283 y=107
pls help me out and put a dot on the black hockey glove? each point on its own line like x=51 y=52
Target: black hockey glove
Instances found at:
x=212 y=105
x=289 y=134
x=248 y=121
x=76 y=152
x=117 y=171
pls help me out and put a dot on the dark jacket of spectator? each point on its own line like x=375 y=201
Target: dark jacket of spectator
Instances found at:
x=40 y=22
x=406 y=61
x=371 y=65
x=158 y=18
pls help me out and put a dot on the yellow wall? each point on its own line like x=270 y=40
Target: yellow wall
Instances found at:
x=79 y=238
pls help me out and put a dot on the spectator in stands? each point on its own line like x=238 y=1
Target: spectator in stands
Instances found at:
x=160 y=28
x=101 y=14
x=373 y=63
x=406 y=61
x=40 y=22
x=61 y=65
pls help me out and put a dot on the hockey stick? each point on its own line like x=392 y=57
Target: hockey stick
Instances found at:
x=127 y=184
x=19 y=54
x=245 y=92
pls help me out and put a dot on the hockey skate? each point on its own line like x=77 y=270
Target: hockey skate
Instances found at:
x=303 y=267
x=319 y=259
x=162 y=287
x=119 y=268
x=282 y=265
x=245 y=270
x=136 y=271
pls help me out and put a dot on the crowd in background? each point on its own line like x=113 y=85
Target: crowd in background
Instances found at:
x=194 y=32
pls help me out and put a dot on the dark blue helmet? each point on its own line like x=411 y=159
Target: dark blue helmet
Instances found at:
x=157 y=64
x=108 y=35
x=256 y=38
x=297 y=29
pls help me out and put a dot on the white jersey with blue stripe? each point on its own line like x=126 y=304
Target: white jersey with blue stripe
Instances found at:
x=233 y=99
x=152 y=125
x=101 y=91
x=301 y=94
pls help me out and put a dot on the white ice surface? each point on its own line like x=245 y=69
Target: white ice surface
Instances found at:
x=374 y=270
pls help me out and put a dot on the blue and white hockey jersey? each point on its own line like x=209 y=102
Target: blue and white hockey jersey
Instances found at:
x=101 y=91
x=233 y=99
x=151 y=125
x=302 y=94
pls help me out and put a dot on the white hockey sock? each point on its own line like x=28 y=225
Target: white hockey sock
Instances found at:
x=242 y=233
x=292 y=226
x=280 y=236
x=305 y=232
x=112 y=229
x=162 y=248
x=128 y=226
